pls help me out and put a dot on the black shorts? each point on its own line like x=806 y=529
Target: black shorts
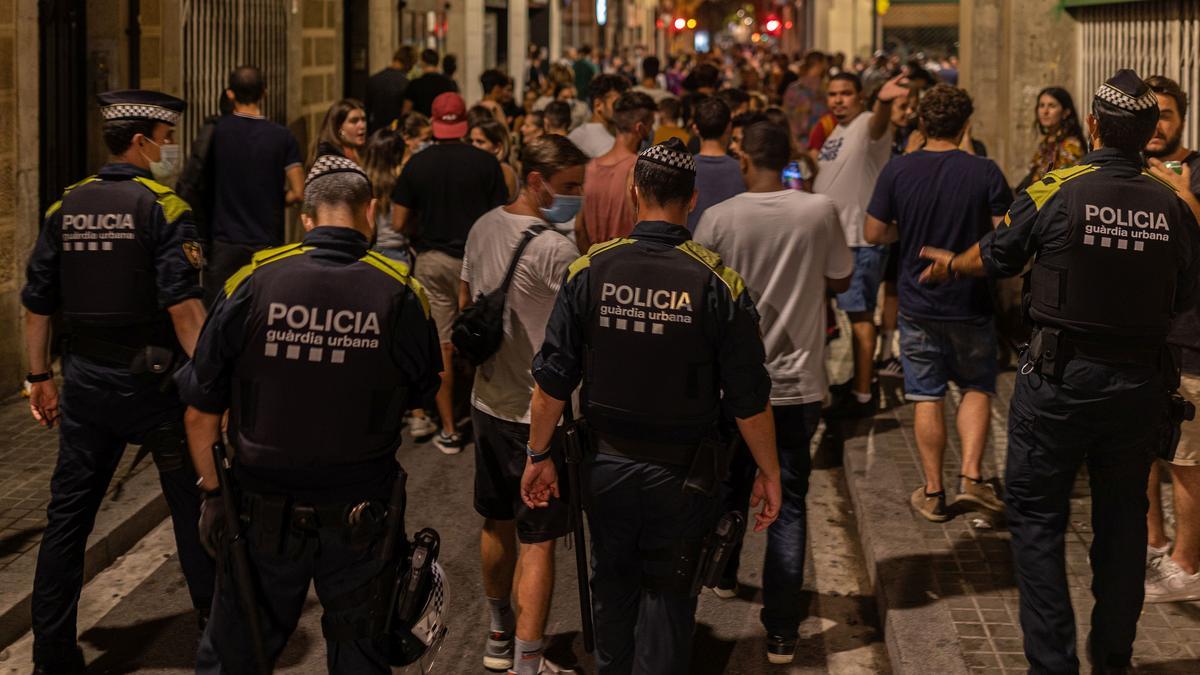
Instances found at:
x=499 y=464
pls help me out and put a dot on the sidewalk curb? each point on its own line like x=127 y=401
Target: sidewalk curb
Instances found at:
x=918 y=629
x=119 y=526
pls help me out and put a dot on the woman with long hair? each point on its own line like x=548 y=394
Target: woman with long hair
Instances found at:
x=1061 y=138
x=382 y=157
x=343 y=132
x=491 y=135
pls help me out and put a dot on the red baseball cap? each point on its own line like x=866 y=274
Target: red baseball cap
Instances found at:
x=449 y=119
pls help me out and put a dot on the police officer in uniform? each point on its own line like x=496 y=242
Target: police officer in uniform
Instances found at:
x=315 y=349
x=661 y=334
x=1116 y=255
x=118 y=255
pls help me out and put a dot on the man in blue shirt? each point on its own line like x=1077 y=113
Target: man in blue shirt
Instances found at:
x=947 y=198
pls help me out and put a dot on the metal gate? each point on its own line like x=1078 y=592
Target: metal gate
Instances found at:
x=220 y=35
x=1153 y=38
x=63 y=94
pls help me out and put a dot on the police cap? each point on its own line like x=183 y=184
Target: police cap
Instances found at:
x=140 y=104
x=671 y=153
x=1127 y=91
x=331 y=164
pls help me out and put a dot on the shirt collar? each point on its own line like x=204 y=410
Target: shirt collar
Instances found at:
x=661 y=231
x=1113 y=157
x=341 y=239
x=122 y=171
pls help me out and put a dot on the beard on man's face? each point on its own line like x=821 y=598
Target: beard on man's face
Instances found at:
x=1170 y=145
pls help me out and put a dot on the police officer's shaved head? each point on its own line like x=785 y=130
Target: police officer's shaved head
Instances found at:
x=1125 y=111
x=665 y=173
x=247 y=85
x=333 y=182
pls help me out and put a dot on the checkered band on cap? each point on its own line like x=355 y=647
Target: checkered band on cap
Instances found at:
x=1124 y=101
x=138 y=111
x=327 y=164
x=673 y=155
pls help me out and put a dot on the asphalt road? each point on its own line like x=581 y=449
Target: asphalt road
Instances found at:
x=135 y=616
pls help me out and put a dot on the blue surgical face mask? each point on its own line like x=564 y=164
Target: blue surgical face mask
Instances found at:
x=562 y=207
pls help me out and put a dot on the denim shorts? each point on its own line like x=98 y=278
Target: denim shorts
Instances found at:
x=936 y=352
x=869 y=264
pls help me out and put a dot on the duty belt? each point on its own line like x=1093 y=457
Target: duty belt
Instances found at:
x=1050 y=349
x=645 y=451
x=282 y=510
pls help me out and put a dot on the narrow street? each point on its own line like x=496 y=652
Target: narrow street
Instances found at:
x=135 y=616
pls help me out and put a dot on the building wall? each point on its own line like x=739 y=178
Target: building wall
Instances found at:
x=18 y=176
x=1011 y=49
x=843 y=26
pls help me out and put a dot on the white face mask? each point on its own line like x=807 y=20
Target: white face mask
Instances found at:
x=167 y=165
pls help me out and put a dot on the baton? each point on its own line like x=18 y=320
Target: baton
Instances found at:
x=241 y=558
x=574 y=452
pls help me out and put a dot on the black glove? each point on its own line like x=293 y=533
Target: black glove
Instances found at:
x=212 y=523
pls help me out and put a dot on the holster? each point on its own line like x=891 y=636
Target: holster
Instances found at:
x=1046 y=352
x=710 y=466
x=695 y=563
x=168 y=446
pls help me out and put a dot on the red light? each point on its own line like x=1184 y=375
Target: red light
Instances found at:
x=659 y=24
x=680 y=23
x=788 y=25
x=773 y=25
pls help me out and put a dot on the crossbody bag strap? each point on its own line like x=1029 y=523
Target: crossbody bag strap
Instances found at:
x=526 y=237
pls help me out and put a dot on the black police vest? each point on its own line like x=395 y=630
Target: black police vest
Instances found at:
x=316 y=384
x=107 y=273
x=651 y=371
x=1115 y=274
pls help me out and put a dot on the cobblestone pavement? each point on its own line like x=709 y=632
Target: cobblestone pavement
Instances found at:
x=970 y=570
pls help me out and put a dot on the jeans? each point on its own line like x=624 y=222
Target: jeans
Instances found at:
x=783 y=566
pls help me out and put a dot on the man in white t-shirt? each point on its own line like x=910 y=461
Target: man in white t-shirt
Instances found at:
x=790 y=248
x=848 y=164
x=552 y=185
x=595 y=137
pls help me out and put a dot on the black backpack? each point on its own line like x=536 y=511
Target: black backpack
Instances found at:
x=479 y=329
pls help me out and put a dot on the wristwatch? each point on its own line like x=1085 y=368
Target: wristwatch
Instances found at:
x=34 y=378
x=536 y=457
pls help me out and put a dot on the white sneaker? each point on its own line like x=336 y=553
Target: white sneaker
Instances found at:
x=449 y=444
x=1152 y=553
x=421 y=427
x=549 y=667
x=1167 y=582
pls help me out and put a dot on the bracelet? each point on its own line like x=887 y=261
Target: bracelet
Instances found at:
x=34 y=378
x=536 y=457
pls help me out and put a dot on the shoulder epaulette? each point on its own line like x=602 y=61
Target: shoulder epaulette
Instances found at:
x=58 y=204
x=582 y=262
x=172 y=204
x=259 y=259
x=1160 y=181
x=400 y=272
x=1041 y=191
x=712 y=261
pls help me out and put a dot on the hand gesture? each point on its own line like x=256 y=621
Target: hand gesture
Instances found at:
x=939 y=270
x=539 y=483
x=43 y=402
x=893 y=89
x=768 y=492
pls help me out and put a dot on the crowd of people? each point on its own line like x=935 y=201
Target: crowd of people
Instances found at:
x=829 y=187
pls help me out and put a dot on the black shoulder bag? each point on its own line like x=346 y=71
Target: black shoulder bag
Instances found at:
x=479 y=329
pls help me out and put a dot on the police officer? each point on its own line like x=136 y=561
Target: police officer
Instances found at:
x=661 y=334
x=315 y=349
x=1116 y=256
x=118 y=256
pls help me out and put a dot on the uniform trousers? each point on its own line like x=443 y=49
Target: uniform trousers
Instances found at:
x=284 y=564
x=103 y=409
x=636 y=512
x=1106 y=417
